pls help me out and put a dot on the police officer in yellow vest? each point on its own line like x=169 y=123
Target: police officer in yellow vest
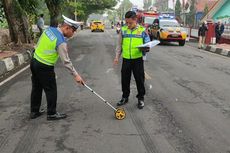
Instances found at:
x=51 y=45
x=131 y=36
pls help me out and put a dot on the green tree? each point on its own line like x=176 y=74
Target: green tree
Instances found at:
x=147 y=4
x=191 y=14
x=55 y=9
x=125 y=6
x=178 y=9
x=2 y=15
x=86 y=7
x=205 y=9
x=17 y=20
x=3 y=22
x=112 y=15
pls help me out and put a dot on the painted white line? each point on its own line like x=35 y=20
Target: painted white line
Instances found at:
x=150 y=86
x=147 y=77
x=109 y=69
x=11 y=77
x=81 y=56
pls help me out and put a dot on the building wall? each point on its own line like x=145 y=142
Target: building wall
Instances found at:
x=223 y=11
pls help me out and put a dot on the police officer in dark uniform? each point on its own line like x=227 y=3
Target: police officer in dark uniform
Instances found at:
x=131 y=36
x=51 y=45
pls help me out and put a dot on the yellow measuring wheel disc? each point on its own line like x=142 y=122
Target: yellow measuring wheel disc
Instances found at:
x=120 y=113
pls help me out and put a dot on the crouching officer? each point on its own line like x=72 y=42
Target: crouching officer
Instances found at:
x=51 y=45
x=131 y=36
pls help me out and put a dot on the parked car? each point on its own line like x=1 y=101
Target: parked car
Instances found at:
x=97 y=26
x=168 y=29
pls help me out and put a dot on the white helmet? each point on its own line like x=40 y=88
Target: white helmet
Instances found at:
x=71 y=22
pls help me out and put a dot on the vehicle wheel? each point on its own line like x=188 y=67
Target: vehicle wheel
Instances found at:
x=158 y=38
x=181 y=42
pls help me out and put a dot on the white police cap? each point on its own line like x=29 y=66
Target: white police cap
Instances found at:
x=71 y=22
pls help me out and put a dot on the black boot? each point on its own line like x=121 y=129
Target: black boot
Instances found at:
x=34 y=115
x=56 y=116
x=122 y=101
x=140 y=104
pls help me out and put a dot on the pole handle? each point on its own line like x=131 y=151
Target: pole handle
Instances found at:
x=99 y=96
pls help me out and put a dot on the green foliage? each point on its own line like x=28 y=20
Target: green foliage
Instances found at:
x=29 y=5
x=206 y=9
x=3 y=23
x=86 y=7
x=56 y=8
x=191 y=14
x=178 y=9
x=125 y=6
x=112 y=15
x=79 y=8
x=147 y=4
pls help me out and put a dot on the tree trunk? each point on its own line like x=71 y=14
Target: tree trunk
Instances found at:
x=54 y=7
x=17 y=21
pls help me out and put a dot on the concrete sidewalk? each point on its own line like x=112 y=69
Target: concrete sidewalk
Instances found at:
x=11 y=60
x=222 y=49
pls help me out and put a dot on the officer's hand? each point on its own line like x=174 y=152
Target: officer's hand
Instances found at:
x=145 y=49
x=115 y=61
x=79 y=80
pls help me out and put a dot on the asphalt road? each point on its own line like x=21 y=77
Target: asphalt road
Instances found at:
x=187 y=104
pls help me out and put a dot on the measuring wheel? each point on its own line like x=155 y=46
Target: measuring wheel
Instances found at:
x=120 y=113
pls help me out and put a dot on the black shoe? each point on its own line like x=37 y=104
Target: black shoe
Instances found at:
x=122 y=101
x=140 y=104
x=34 y=115
x=56 y=116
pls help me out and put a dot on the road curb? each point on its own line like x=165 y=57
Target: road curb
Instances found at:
x=221 y=51
x=13 y=62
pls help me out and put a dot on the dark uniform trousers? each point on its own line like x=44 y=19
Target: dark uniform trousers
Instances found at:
x=43 y=78
x=137 y=67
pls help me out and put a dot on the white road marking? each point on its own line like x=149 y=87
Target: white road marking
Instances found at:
x=80 y=58
x=147 y=77
x=11 y=77
x=109 y=69
x=150 y=86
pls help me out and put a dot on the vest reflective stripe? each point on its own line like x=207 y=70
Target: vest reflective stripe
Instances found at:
x=45 y=51
x=132 y=35
x=130 y=41
x=49 y=51
x=41 y=60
